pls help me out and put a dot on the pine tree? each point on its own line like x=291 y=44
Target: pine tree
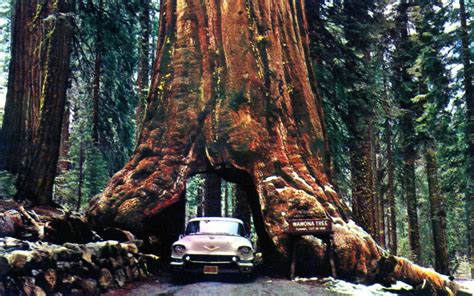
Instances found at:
x=469 y=99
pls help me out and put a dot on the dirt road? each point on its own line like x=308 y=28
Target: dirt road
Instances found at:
x=225 y=287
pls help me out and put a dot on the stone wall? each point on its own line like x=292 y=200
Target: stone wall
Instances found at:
x=39 y=268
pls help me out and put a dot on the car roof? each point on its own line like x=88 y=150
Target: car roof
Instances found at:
x=216 y=219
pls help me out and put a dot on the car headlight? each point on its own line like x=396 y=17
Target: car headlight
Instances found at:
x=179 y=249
x=245 y=251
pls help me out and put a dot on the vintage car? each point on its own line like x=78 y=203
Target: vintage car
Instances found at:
x=213 y=246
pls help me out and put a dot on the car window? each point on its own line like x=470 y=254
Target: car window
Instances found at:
x=213 y=226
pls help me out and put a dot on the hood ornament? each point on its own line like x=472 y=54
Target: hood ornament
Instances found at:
x=211 y=248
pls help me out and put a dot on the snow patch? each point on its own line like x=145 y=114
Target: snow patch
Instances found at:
x=344 y=287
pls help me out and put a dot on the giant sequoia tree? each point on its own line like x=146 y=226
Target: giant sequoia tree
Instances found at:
x=37 y=178
x=22 y=105
x=232 y=94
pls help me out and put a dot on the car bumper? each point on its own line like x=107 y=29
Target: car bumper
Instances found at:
x=230 y=267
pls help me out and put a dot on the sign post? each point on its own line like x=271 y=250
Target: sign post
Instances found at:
x=321 y=228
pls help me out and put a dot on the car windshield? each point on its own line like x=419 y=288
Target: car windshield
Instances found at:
x=215 y=226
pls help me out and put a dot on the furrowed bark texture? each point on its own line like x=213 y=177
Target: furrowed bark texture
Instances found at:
x=22 y=104
x=231 y=93
x=363 y=197
x=36 y=180
x=437 y=211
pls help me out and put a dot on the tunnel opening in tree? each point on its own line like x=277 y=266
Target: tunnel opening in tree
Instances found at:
x=232 y=200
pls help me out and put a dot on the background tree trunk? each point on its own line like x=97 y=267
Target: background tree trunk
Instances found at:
x=99 y=48
x=199 y=201
x=466 y=55
x=438 y=213
x=36 y=180
x=364 y=207
x=392 y=221
x=242 y=208
x=212 y=205
x=63 y=163
x=22 y=106
x=404 y=89
x=144 y=60
x=81 y=176
x=231 y=93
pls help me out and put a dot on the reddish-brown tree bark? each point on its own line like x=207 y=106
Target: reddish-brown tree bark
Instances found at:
x=36 y=180
x=22 y=106
x=231 y=93
x=364 y=206
x=437 y=212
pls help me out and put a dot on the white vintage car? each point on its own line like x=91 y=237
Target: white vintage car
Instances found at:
x=213 y=246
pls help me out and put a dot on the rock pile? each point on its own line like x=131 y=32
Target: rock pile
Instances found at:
x=39 y=268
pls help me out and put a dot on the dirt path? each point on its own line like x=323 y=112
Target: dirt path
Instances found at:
x=261 y=286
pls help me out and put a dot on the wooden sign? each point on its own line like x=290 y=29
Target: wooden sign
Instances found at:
x=309 y=226
x=322 y=227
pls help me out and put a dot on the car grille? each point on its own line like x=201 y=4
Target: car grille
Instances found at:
x=210 y=259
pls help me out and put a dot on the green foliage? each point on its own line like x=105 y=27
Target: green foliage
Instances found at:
x=347 y=34
x=118 y=28
x=118 y=31
x=7 y=184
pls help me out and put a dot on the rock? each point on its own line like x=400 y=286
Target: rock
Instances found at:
x=76 y=292
x=88 y=286
x=130 y=248
x=68 y=269
x=4 y=266
x=105 y=279
x=119 y=262
x=50 y=279
x=66 y=284
x=27 y=284
x=19 y=259
x=120 y=278
x=7 y=226
x=70 y=228
x=152 y=262
x=37 y=291
x=110 y=233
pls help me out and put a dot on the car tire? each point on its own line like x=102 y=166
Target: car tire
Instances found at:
x=179 y=278
x=247 y=277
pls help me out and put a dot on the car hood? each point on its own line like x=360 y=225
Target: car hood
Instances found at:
x=209 y=243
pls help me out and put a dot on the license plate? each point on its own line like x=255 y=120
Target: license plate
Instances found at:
x=210 y=270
